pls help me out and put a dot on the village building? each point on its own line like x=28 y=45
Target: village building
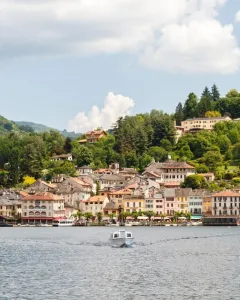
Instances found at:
x=170 y=171
x=60 y=157
x=128 y=173
x=42 y=208
x=41 y=186
x=182 y=198
x=134 y=203
x=95 y=135
x=196 y=202
x=170 y=202
x=103 y=171
x=111 y=180
x=10 y=208
x=226 y=203
x=110 y=211
x=85 y=170
x=155 y=202
x=207 y=205
x=74 y=191
x=118 y=196
x=196 y=124
x=96 y=204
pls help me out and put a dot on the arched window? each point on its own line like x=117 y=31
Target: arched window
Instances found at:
x=31 y=207
x=37 y=213
x=43 y=207
x=31 y=213
x=43 y=213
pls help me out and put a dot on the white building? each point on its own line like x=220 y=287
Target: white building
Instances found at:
x=196 y=124
x=226 y=203
x=111 y=180
x=195 y=204
x=170 y=171
x=42 y=208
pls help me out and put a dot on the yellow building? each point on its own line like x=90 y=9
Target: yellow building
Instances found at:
x=182 y=199
x=10 y=208
x=134 y=203
x=207 y=205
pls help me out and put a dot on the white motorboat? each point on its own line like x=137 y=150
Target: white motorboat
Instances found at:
x=121 y=238
x=62 y=223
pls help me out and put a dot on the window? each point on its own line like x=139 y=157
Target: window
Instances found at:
x=140 y=204
x=127 y=204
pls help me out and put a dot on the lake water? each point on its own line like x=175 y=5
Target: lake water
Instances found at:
x=79 y=263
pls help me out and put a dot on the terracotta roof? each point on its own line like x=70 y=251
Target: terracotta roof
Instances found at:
x=132 y=186
x=81 y=182
x=24 y=194
x=97 y=199
x=96 y=132
x=43 y=196
x=226 y=194
x=152 y=173
x=173 y=183
x=122 y=192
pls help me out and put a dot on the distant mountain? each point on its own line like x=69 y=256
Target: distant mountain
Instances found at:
x=7 y=126
x=43 y=128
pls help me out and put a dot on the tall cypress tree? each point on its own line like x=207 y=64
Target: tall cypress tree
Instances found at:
x=206 y=93
x=215 y=93
x=179 y=114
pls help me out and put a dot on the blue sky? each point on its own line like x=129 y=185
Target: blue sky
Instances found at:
x=59 y=58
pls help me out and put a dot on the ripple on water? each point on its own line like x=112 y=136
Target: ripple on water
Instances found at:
x=79 y=263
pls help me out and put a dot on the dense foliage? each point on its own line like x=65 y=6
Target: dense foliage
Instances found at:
x=134 y=141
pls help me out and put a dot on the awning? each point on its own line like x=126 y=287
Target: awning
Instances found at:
x=142 y=218
x=196 y=217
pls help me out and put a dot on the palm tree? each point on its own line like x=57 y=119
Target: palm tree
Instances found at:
x=177 y=215
x=135 y=215
x=79 y=215
x=88 y=215
x=188 y=216
x=149 y=214
x=111 y=216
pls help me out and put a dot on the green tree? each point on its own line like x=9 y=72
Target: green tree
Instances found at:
x=204 y=106
x=206 y=93
x=179 y=114
x=98 y=188
x=83 y=156
x=88 y=216
x=149 y=214
x=68 y=145
x=194 y=182
x=190 y=106
x=212 y=114
x=158 y=153
x=215 y=93
x=213 y=159
x=99 y=217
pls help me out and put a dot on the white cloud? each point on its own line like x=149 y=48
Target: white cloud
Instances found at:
x=174 y=35
x=237 y=16
x=115 y=106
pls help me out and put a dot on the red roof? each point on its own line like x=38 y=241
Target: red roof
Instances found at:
x=43 y=196
x=226 y=194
